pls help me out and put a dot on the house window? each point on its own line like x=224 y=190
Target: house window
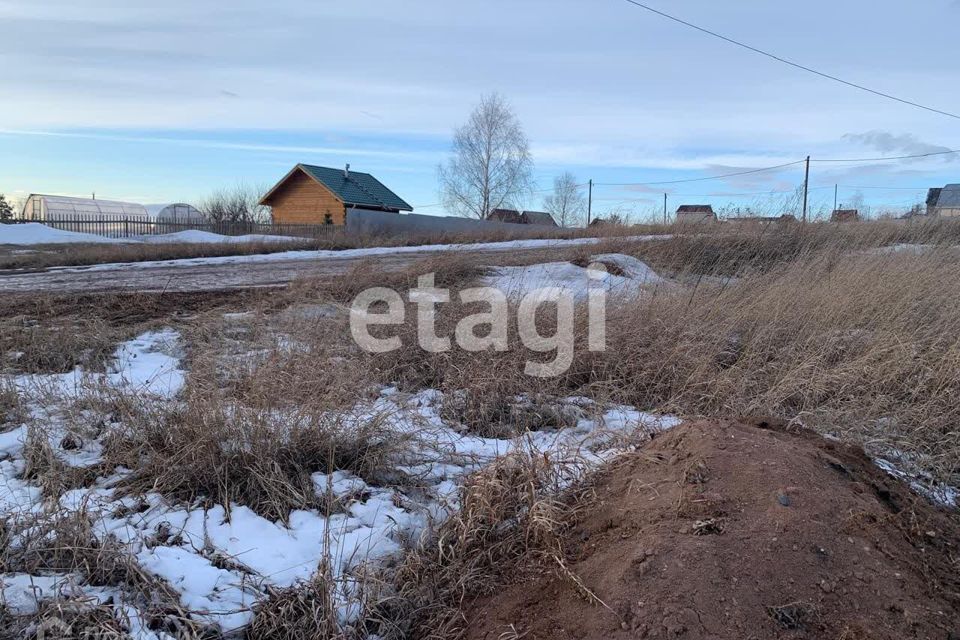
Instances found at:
x=327 y=218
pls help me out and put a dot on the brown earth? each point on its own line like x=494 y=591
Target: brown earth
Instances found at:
x=735 y=530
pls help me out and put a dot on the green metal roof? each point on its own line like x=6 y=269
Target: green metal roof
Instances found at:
x=356 y=188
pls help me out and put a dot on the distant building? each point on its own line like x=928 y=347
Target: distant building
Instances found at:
x=322 y=195
x=947 y=201
x=512 y=216
x=541 y=218
x=845 y=215
x=42 y=207
x=695 y=214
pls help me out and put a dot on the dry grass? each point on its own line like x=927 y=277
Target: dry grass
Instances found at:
x=510 y=520
x=11 y=404
x=823 y=332
x=815 y=329
x=221 y=452
x=64 y=544
x=57 y=346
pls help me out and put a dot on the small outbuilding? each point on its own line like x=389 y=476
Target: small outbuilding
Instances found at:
x=43 y=207
x=947 y=201
x=510 y=216
x=541 y=218
x=695 y=214
x=845 y=215
x=322 y=195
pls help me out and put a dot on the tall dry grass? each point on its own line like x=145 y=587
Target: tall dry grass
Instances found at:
x=811 y=325
x=844 y=339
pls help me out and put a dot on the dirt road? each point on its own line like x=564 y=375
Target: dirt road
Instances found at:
x=238 y=272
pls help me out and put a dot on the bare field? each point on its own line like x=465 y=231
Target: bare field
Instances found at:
x=182 y=462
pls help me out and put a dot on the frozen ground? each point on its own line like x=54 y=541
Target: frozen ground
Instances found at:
x=186 y=545
x=262 y=270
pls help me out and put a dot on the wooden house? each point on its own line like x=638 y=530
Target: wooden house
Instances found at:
x=322 y=195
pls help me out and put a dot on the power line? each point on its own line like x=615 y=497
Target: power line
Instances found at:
x=726 y=175
x=440 y=204
x=850 y=186
x=791 y=63
x=885 y=158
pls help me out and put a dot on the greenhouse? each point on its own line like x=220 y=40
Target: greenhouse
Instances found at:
x=53 y=208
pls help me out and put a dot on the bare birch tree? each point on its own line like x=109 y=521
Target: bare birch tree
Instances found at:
x=491 y=164
x=566 y=204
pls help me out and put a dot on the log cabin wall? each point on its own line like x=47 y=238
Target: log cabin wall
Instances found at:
x=303 y=200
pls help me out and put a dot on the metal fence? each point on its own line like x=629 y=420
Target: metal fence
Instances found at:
x=137 y=226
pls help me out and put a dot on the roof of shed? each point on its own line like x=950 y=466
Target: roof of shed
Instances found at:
x=695 y=208
x=540 y=218
x=949 y=196
x=354 y=188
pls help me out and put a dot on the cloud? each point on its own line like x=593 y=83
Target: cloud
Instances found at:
x=903 y=144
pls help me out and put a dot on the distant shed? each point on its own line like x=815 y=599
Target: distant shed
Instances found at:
x=695 y=214
x=541 y=218
x=511 y=216
x=42 y=207
x=948 y=202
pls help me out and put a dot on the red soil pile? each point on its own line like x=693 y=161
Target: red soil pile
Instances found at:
x=735 y=530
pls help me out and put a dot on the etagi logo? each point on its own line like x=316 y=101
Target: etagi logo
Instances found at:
x=426 y=297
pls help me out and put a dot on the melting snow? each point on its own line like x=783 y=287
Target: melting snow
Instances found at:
x=221 y=563
x=325 y=254
x=519 y=281
x=31 y=233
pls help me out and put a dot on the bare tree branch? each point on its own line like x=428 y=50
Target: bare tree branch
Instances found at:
x=240 y=203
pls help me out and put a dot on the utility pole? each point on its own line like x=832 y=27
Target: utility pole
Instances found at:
x=589 y=201
x=806 y=189
x=664 y=208
x=835 y=188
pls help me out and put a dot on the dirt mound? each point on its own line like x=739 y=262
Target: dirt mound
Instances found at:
x=734 y=530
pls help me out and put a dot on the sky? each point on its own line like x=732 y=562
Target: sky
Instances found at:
x=167 y=102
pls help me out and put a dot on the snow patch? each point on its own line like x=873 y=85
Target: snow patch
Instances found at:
x=194 y=236
x=31 y=233
x=519 y=281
